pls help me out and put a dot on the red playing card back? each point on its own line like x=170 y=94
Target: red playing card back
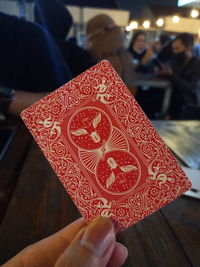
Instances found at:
x=104 y=149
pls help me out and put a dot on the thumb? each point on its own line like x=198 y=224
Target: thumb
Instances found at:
x=92 y=246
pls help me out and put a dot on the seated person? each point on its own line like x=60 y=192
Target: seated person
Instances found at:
x=30 y=64
x=56 y=19
x=141 y=53
x=163 y=49
x=160 y=42
x=184 y=74
x=147 y=97
x=105 y=41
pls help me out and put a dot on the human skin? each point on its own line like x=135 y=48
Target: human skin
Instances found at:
x=78 y=244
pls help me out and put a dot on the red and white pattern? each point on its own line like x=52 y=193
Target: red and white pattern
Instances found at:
x=104 y=149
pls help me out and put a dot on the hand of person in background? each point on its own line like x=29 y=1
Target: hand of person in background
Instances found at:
x=165 y=71
x=23 y=100
x=148 y=55
x=78 y=245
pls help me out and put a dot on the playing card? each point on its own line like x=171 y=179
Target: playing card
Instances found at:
x=104 y=149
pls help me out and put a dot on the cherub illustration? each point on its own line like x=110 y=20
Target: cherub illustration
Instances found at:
x=101 y=87
x=90 y=128
x=118 y=173
x=102 y=96
x=54 y=125
x=161 y=178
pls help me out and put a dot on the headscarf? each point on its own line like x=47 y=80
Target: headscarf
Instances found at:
x=105 y=41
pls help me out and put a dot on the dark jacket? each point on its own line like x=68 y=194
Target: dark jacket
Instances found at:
x=186 y=81
x=57 y=20
x=29 y=59
x=185 y=86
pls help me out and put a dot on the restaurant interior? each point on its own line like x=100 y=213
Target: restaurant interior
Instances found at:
x=100 y=119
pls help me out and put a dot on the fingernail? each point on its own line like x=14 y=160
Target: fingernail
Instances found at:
x=98 y=236
x=122 y=250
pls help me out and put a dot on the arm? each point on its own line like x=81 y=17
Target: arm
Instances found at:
x=148 y=56
x=186 y=86
x=23 y=100
x=145 y=65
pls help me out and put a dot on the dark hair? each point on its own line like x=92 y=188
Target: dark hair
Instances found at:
x=164 y=38
x=186 y=38
x=134 y=38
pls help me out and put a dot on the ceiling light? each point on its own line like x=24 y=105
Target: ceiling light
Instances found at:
x=133 y=25
x=176 y=19
x=128 y=28
x=146 y=24
x=160 y=22
x=194 y=13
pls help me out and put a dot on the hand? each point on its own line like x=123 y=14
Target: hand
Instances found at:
x=148 y=56
x=165 y=71
x=23 y=100
x=77 y=245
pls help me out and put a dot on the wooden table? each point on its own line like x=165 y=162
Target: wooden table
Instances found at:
x=39 y=206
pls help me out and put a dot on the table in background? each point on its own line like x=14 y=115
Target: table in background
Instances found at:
x=154 y=82
x=39 y=206
x=13 y=160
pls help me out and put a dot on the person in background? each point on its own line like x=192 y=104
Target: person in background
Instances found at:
x=162 y=41
x=77 y=245
x=196 y=50
x=31 y=66
x=184 y=74
x=142 y=57
x=105 y=41
x=56 y=19
x=163 y=49
x=141 y=53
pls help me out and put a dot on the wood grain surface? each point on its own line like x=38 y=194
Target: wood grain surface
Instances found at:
x=39 y=206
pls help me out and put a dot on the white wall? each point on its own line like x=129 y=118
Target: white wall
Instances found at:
x=193 y=3
x=75 y=12
x=82 y=15
x=184 y=25
x=12 y=8
x=120 y=17
x=9 y=7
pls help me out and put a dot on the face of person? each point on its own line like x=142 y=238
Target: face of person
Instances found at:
x=178 y=47
x=181 y=51
x=140 y=43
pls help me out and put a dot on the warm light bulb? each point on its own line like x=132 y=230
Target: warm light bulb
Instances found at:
x=194 y=13
x=133 y=25
x=176 y=19
x=160 y=22
x=146 y=24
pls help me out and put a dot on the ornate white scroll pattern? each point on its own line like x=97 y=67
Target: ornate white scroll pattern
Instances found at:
x=102 y=85
x=165 y=176
x=107 y=151
x=116 y=141
x=43 y=120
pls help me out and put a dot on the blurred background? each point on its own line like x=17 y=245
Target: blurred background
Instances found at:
x=154 y=46
x=152 y=15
